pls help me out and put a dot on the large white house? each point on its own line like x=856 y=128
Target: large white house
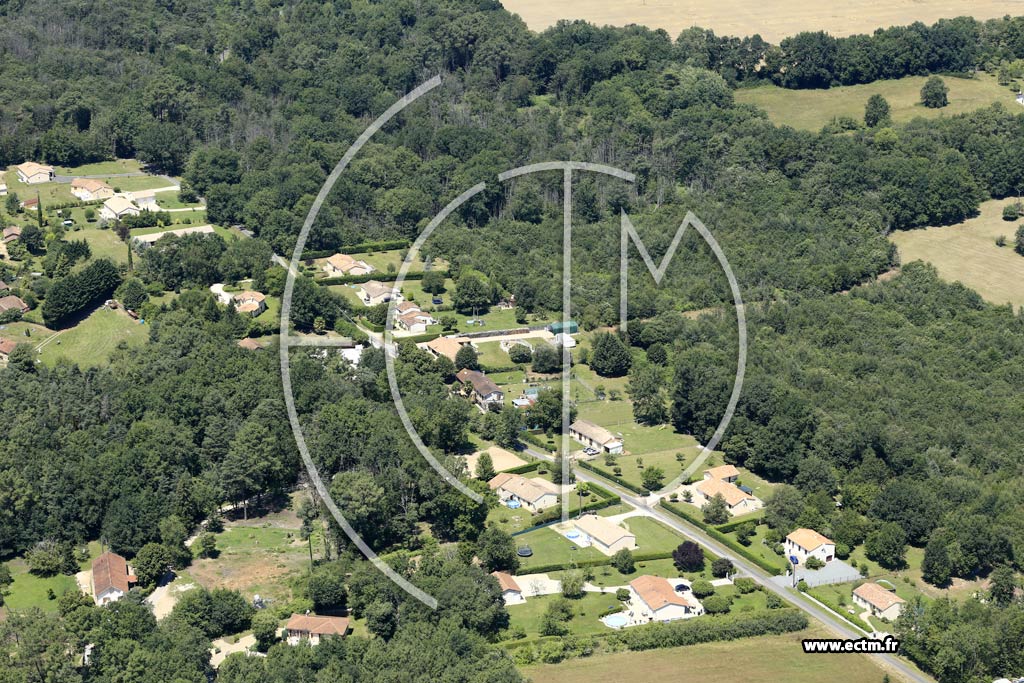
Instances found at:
x=533 y=494
x=805 y=543
x=595 y=436
x=32 y=173
x=603 y=534
x=658 y=600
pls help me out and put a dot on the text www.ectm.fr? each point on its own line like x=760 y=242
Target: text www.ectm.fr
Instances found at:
x=887 y=645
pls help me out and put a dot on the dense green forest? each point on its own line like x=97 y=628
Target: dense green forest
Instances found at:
x=899 y=399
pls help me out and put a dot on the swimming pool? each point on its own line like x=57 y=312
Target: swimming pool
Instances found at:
x=513 y=504
x=617 y=620
x=572 y=534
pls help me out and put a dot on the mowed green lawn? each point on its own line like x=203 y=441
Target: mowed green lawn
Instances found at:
x=812 y=109
x=103 y=243
x=28 y=590
x=967 y=253
x=551 y=547
x=90 y=342
x=767 y=658
x=585 y=612
x=101 y=168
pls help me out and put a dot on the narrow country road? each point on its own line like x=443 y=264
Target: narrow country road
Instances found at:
x=842 y=629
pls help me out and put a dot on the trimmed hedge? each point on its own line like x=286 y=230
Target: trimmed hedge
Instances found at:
x=366 y=277
x=536 y=441
x=714 y=533
x=711 y=629
x=618 y=480
x=361 y=248
x=841 y=613
x=731 y=526
x=523 y=469
x=582 y=564
x=500 y=368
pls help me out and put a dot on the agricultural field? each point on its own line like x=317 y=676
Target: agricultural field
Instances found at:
x=767 y=658
x=773 y=20
x=812 y=109
x=967 y=253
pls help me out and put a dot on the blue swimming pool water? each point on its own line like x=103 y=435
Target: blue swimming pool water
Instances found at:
x=572 y=534
x=616 y=620
x=513 y=504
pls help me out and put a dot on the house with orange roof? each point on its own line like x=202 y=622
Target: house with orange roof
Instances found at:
x=445 y=346
x=111 y=578
x=511 y=593
x=736 y=500
x=533 y=494
x=7 y=348
x=343 y=264
x=250 y=303
x=312 y=628
x=658 y=600
x=727 y=473
x=603 y=534
x=804 y=543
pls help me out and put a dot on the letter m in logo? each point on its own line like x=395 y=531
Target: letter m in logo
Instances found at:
x=658 y=272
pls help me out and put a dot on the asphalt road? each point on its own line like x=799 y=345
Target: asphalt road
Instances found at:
x=839 y=627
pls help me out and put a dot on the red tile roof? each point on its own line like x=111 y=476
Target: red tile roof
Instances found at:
x=323 y=626
x=109 y=570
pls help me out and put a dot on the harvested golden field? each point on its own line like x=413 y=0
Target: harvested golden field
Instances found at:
x=967 y=253
x=812 y=109
x=773 y=19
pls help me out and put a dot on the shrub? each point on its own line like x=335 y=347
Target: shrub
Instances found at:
x=814 y=563
x=688 y=557
x=622 y=594
x=717 y=604
x=1011 y=212
x=745 y=585
x=623 y=561
x=721 y=567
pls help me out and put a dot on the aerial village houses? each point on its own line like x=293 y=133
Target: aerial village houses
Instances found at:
x=607 y=536
x=485 y=393
x=90 y=189
x=145 y=199
x=312 y=628
x=409 y=317
x=445 y=346
x=11 y=234
x=7 y=348
x=595 y=436
x=32 y=173
x=374 y=293
x=510 y=591
x=533 y=494
x=343 y=264
x=720 y=481
x=117 y=207
x=659 y=601
x=805 y=543
x=111 y=578
x=880 y=601
x=12 y=303
x=250 y=303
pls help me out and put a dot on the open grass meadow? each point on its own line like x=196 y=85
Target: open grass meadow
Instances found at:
x=812 y=109
x=101 y=168
x=91 y=342
x=30 y=591
x=967 y=253
x=767 y=658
